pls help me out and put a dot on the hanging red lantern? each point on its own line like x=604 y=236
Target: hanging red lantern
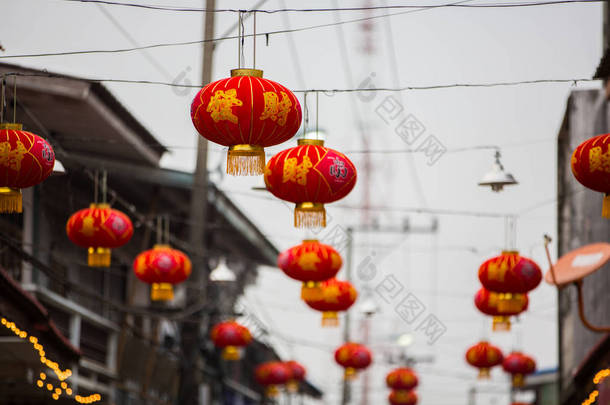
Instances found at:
x=271 y=375
x=99 y=228
x=25 y=160
x=402 y=397
x=518 y=365
x=591 y=167
x=353 y=357
x=403 y=379
x=310 y=176
x=162 y=267
x=310 y=262
x=246 y=113
x=488 y=303
x=230 y=336
x=297 y=375
x=509 y=275
x=333 y=296
x=484 y=356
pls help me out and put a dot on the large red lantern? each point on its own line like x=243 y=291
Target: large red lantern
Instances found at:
x=353 y=357
x=99 y=228
x=310 y=176
x=246 y=113
x=509 y=274
x=591 y=167
x=25 y=160
x=271 y=375
x=333 y=296
x=402 y=397
x=518 y=365
x=162 y=267
x=297 y=375
x=230 y=336
x=403 y=379
x=310 y=262
x=488 y=303
x=484 y=356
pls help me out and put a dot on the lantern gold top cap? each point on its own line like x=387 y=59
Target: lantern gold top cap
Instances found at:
x=11 y=125
x=303 y=141
x=161 y=246
x=246 y=72
x=99 y=205
x=310 y=241
x=510 y=252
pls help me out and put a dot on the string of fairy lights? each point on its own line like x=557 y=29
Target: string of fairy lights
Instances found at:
x=56 y=391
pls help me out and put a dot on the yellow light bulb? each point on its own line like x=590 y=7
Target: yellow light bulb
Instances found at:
x=39 y=383
x=55 y=397
x=43 y=376
x=49 y=387
x=64 y=385
x=69 y=391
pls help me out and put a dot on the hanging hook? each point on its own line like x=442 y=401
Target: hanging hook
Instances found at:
x=239 y=40
x=254 y=41
x=317 y=112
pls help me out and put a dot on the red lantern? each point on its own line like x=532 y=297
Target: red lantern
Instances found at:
x=272 y=374
x=162 y=267
x=484 y=356
x=591 y=167
x=403 y=379
x=488 y=303
x=246 y=113
x=230 y=337
x=99 y=228
x=518 y=365
x=402 y=397
x=509 y=274
x=333 y=296
x=25 y=160
x=310 y=176
x=310 y=262
x=353 y=357
x=297 y=374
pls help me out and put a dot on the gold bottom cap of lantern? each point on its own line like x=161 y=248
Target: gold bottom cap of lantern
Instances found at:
x=246 y=160
x=350 y=373
x=272 y=391
x=311 y=291
x=230 y=353
x=606 y=206
x=292 y=386
x=484 y=374
x=10 y=200
x=162 y=292
x=501 y=324
x=518 y=380
x=330 y=319
x=309 y=215
x=98 y=257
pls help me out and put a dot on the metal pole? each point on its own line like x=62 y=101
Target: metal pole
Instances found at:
x=196 y=287
x=346 y=397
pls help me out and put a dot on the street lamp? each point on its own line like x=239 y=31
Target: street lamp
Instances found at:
x=496 y=177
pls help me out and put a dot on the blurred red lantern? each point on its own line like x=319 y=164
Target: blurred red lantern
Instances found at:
x=246 y=113
x=488 y=303
x=591 y=167
x=25 y=160
x=333 y=296
x=310 y=262
x=230 y=336
x=518 y=365
x=297 y=374
x=484 y=356
x=99 y=228
x=509 y=274
x=162 y=267
x=401 y=379
x=353 y=357
x=402 y=397
x=310 y=176
x=272 y=374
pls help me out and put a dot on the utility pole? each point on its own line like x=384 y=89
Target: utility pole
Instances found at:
x=406 y=228
x=196 y=288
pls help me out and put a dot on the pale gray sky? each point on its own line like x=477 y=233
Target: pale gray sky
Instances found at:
x=438 y=46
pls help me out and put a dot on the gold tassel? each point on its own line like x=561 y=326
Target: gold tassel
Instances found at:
x=309 y=215
x=272 y=391
x=10 y=200
x=606 y=206
x=501 y=323
x=162 y=292
x=246 y=160
x=518 y=380
x=484 y=374
x=292 y=386
x=330 y=319
x=311 y=291
x=98 y=257
x=350 y=373
x=230 y=353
